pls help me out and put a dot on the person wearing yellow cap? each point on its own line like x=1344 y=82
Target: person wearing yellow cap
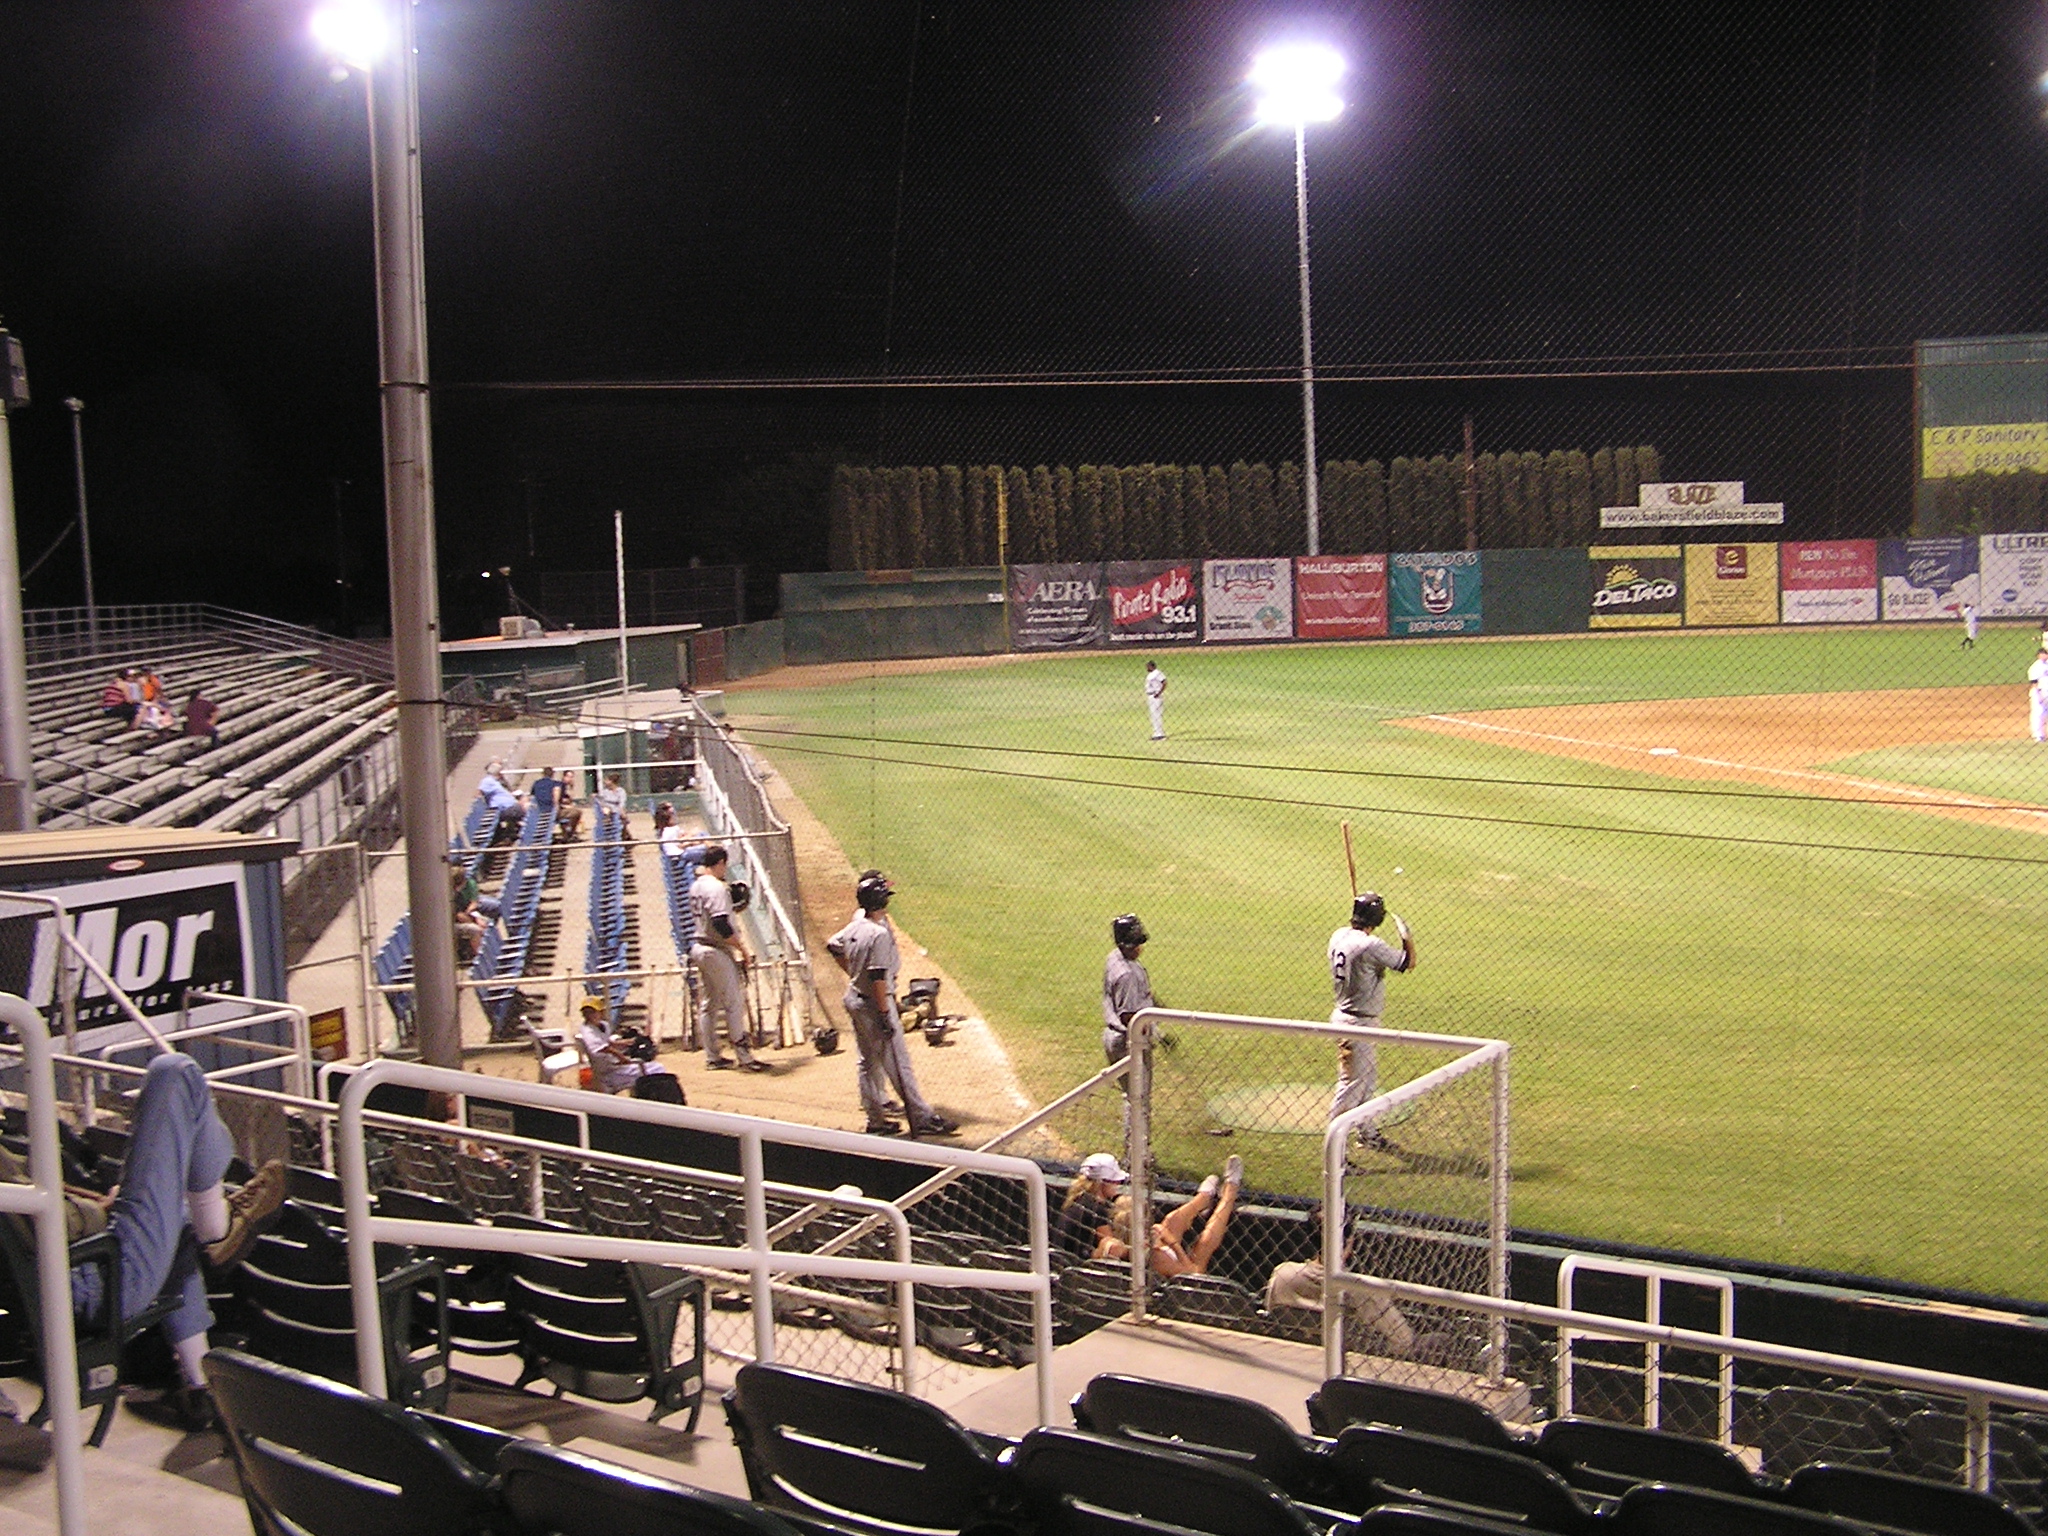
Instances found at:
x=623 y=1059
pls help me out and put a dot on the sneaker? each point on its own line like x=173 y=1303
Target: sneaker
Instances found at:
x=723 y=1064
x=191 y=1408
x=938 y=1125
x=252 y=1211
x=1233 y=1171
x=1376 y=1141
x=1210 y=1185
x=884 y=1128
x=753 y=1064
x=23 y=1447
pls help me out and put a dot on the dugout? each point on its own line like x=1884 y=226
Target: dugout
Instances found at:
x=164 y=910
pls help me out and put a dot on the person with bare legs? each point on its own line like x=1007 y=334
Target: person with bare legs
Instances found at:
x=1212 y=1205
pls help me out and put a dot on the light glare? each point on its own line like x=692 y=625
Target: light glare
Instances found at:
x=1297 y=83
x=352 y=32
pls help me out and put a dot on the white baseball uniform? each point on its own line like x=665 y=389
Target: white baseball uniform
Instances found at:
x=2037 y=697
x=1359 y=962
x=1155 y=701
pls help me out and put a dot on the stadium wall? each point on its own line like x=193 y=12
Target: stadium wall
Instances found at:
x=892 y=615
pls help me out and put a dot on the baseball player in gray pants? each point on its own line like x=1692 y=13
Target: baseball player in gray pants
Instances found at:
x=866 y=949
x=1359 y=962
x=1126 y=988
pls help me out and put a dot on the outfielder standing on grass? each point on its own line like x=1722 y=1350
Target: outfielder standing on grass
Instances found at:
x=2037 y=695
x=1155 y=699
x=1359 y=962
x=866 y=950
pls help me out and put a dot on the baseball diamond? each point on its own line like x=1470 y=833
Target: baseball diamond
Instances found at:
x=1757 y=911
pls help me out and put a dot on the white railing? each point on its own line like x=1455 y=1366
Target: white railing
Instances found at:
x=757 y=1259
x=1978 y=1394
x=1654 y=1277
x=42 y=1201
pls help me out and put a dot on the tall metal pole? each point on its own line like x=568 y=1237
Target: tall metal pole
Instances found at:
x=619 y=568
x=1309 y=487
x=409 y=532
x=92 y=608
x=17 y=763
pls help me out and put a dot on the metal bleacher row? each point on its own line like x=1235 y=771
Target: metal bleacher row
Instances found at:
x=285 y=722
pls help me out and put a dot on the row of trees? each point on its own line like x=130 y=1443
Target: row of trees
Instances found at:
x=947 y=516
x=2015 y=502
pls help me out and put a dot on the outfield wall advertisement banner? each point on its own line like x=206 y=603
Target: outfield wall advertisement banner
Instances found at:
x=156 y=934
x=2012 y=570
x=1057 y=607
x=1153 y=602
x=1991 y=449
x=1340 y=597
x=1926 y=578
x=1247 y=600
x=1637 y=586
x=1731 y=584
x=1829 y=581
x=1435 y=594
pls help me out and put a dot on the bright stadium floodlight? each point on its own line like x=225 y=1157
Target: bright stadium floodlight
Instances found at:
x=352 y=33
x=1297 y=83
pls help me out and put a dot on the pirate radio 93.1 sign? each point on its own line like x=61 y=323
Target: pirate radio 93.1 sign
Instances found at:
x=1435 y=594
x=156 y=935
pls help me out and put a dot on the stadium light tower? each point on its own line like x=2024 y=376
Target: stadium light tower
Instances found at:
x=374 y=38
x=1297 y=85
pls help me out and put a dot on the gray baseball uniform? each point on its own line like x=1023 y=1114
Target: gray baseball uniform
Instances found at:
x=724 y=989
x=1125 y=989
x=866 y=947
x=1359 y=962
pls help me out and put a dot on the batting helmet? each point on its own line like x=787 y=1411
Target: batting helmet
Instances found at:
x=741 y=894
x=874 y=891
x=1368 y=909
x=1129 y=931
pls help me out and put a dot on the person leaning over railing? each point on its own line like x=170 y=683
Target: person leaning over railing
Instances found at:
x=178 y=1154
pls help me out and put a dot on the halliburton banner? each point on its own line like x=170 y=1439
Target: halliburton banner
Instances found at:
x=1340 y=597
x=1638 y=586
x=1830 y=581
x=1926 y=578
x=1153 y=602
x=1247 y=600
x=1435 y=594
x=2012 y=571
x=1057 y=607
x=1729 y=584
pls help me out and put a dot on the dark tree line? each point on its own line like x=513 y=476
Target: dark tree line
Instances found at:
x=2015 y=502
x=943 y=516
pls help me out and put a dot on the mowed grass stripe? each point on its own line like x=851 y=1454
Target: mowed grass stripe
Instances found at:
x=1810 y=1056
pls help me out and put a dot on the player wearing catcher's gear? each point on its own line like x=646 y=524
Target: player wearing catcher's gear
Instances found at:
x=721 y=958
x=1359 y=962
x=866 y=950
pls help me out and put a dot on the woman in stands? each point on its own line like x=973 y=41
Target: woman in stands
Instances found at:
x=1216 y=1199
x=1084 y=1219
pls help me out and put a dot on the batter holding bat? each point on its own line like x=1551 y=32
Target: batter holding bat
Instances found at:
x=1359 y=962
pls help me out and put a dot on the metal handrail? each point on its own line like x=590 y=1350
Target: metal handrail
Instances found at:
x=760 y=1261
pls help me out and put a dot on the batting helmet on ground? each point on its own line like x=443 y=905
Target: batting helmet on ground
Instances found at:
x=1128 y=931
x=1368 y=909
x=874 y=891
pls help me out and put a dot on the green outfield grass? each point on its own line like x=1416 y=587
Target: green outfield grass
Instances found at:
x=1776 y=1028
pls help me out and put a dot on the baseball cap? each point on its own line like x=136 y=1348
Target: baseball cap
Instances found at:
x=1104 y=1168
x=592 y=1002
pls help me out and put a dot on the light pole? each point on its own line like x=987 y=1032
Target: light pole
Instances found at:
x=92 y=609
x=17 y=759
x=375 y=38
x=1297 y=85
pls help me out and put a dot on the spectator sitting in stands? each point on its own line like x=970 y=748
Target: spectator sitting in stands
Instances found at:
x=624 y=1058
x=122 y=695
x=1301 y=1286
x=510 y=808
x=178 y=1153
x=471 y=920
x=612 y=799
x=153 y=691
x=154 y=715
x=1169 y=1254
x=675 y=842
x=548 y=790
x=1084 y=1219
x=202 y=718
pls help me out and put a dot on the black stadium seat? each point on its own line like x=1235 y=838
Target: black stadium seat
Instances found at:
x=1079 y=1484
x=552 y=1492
x=1611 y=1458
x=323 y=1459
x=1655 y=1509
x=1420 y=1520
x=1243 y=1434
x=1401 y=1466
x=1346 y=1400
x=1895 y=1503
x=1802 y=1424
x=863 y=1456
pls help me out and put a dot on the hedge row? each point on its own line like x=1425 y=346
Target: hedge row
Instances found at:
x=945 y=516
x=2014 y=502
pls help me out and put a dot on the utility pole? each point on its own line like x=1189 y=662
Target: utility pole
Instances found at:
x=17 y=765
x=1471 y=490
x=92 y=608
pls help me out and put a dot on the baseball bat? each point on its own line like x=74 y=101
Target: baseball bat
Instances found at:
x=1350 y=864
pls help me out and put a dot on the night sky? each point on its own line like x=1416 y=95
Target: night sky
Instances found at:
x=1582 y=223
